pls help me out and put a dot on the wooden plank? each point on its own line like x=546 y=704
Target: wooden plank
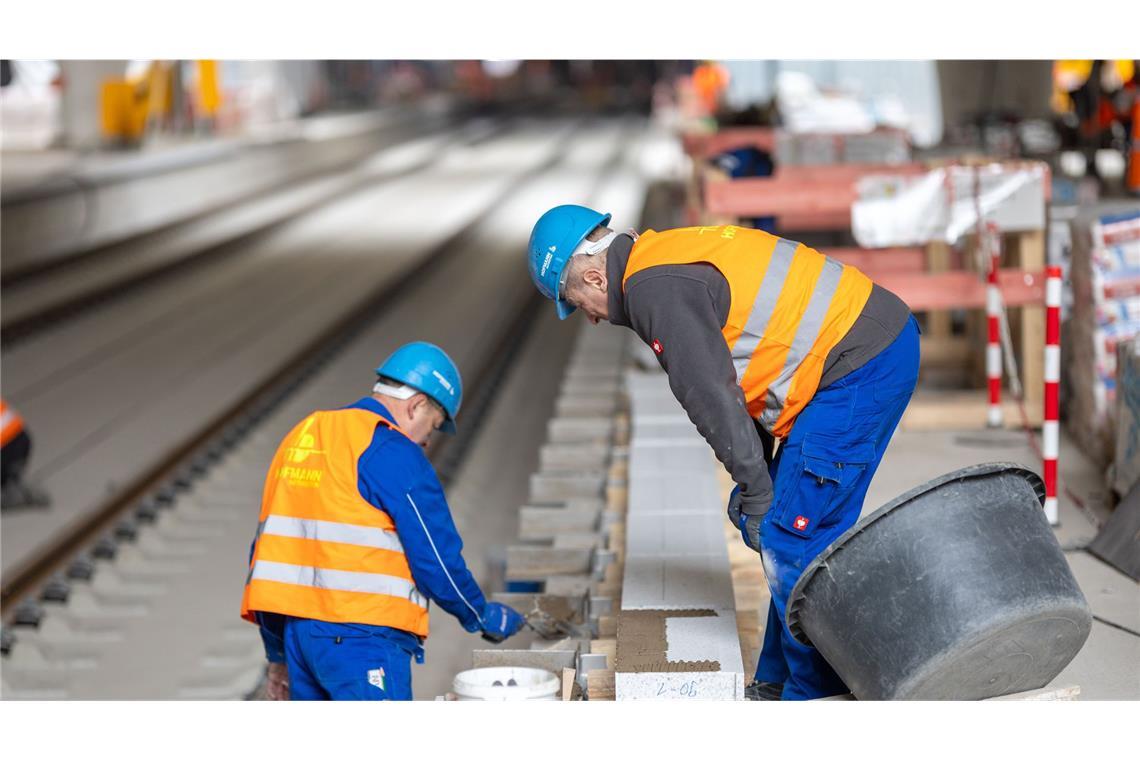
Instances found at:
x=797 y=190
x=938 y=261
x=704 y=145
x=600 y=685
x=963 y=290
x=1030 y=256
x=567 y=683
x=749 y=197
x=872 y=261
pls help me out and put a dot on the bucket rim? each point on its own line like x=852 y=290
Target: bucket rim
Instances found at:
x=970 y=472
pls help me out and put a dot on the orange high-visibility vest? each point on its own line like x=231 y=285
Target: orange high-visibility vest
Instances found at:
x=790 y=306
x=11 y=423
x=323 y=552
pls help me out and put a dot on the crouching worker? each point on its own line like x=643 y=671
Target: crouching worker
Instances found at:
x=15 y=449
x=355 y=537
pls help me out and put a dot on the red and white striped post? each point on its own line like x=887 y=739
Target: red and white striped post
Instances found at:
x=1050 y=428
x=992 y=241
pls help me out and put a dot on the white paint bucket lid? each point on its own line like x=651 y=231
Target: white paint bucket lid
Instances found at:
x=506 y=684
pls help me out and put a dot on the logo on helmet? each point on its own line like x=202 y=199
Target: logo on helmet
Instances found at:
x=443 y=381
x=546 y=263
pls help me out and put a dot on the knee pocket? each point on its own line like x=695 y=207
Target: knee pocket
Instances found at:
x=828 y=469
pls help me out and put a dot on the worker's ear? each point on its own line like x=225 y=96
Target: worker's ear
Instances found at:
x=415 y=406
x=595 y=278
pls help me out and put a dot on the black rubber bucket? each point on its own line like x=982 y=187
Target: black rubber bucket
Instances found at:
x=954 y=590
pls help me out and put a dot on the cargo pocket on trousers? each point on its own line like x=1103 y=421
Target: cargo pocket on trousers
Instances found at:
x=828 y=468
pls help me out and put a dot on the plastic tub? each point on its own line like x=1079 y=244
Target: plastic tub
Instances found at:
x=954 y=590
x=506 y=684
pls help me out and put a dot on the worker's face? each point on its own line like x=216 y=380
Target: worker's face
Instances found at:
x=423 y=417
x=591 y=295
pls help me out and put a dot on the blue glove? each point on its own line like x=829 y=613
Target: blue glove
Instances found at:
x=500 y=622
x=748 y=525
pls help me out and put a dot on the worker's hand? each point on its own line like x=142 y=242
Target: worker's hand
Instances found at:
x=277 y=683
x=500 y=622
x=748 y=525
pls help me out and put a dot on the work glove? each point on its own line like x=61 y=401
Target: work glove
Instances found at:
x=500 y=622
x=748 y=525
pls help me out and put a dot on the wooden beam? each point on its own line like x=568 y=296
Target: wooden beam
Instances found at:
x=872 y=261
x=797 y=191
x=1030 y=253
x=963 y=290
x=732 y=138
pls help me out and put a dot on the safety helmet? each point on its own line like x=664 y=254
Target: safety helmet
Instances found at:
x=428 y=369
x=555 y=236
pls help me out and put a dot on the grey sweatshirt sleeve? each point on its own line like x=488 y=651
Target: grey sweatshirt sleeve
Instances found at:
x=675 y=314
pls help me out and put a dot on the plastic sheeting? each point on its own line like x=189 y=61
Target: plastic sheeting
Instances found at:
x=944 y=204
x=859 y=94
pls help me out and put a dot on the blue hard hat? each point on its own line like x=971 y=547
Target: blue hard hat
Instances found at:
x=555 y=236
x=428 y=369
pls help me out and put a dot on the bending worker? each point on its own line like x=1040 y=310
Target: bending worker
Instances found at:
x=355 y=537
x=762 y=338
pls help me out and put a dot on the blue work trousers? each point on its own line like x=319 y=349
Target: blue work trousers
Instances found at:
x=821 y=474
x=346 y=662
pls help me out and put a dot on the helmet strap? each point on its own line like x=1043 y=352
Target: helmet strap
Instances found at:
x=586 y=248
x=402 y=392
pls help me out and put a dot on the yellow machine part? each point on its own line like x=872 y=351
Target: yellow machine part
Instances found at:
x=209 y=88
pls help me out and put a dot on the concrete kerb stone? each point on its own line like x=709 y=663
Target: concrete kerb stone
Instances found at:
x=568 y=457
x=546 y=523
x=580 y=430
x=558 y=486
x=535 y=563
x=553 y=660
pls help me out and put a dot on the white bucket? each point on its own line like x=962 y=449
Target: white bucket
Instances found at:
x=506 y=684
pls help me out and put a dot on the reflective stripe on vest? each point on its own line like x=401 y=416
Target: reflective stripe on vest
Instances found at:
x=790 y=305
x=11 y=424
x=322 y=551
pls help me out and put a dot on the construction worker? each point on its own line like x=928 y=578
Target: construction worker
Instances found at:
x=355 y=537
x=15 y=449
x=762 y=338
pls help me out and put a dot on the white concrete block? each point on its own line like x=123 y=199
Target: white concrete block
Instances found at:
x=704 y=685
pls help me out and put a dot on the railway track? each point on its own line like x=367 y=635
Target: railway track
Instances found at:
x=38 y=300
x=177 y=531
